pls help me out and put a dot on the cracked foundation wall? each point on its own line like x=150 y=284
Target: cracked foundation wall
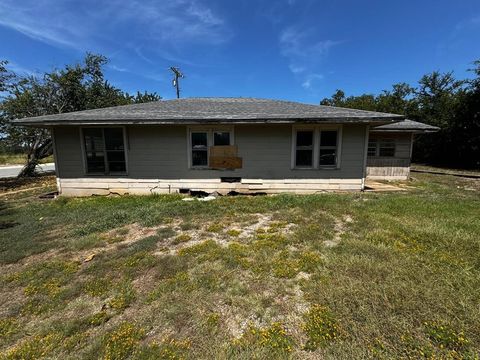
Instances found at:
x=120 y=186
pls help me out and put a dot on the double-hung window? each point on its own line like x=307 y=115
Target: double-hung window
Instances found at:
x=304 y=149
x=104 y=150
x=200 y=141
x=316 y=147
x=328 y=148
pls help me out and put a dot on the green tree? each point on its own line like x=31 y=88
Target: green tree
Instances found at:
x=73 y=88
x=439 y=99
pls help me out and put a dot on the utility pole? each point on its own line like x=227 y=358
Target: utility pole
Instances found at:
x=176 y=75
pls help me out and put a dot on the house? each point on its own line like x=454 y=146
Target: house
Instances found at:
x=226 y=145
x=390 y=149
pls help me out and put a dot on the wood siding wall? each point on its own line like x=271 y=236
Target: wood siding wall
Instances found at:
x=158 y=160
x=391 y=168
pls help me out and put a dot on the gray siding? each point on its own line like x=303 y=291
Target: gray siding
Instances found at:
x=391 y=168
x=160 y=152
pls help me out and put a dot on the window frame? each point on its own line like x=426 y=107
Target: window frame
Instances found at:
x=378 y=141
x=295 y=148
x=105 y=158
x=317 y=129
x=210 y=130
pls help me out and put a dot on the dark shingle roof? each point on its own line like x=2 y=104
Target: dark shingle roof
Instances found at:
x=407 y=125
x=214 y=110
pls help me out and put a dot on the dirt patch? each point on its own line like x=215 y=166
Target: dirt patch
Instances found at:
x=224 y=235
x=339 y=228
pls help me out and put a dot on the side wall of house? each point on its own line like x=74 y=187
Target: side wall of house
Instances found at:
x=158 y=162
x=391 y=168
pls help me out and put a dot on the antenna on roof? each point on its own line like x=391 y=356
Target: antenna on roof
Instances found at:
x=176 y=75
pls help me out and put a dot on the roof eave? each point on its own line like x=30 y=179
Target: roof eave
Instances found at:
x=84 y=122
x=415 y=131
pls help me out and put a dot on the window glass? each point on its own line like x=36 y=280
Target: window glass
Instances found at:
x=105 y=150
x=199 y=139
x=328 y=148
x=94 y=148
x=221 y=138
x=199 y=158
x=386 y=148
x=304 y=149
x=114 y=139
x=199 y=149
x=304 y=158
x=328 y=138
x=372 y=147
x=304 y=138
x=328 y=157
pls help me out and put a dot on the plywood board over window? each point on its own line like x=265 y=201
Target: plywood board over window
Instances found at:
x=212 y=147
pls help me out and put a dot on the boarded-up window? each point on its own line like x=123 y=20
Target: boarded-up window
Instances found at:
x=104 y=150
x=304 y=148
x=328 y=148
x=199 y=149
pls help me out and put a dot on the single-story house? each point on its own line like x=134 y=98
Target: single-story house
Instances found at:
x=226 y=145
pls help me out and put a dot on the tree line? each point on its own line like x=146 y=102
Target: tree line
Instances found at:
x=437 y=99
x=81 y=86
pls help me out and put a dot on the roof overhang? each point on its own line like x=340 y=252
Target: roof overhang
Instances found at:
x=93 y=122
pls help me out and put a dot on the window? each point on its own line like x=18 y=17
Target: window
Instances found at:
x=304 y=149
x=104 y=150
x=199 y=148
x=328 y=148
x=382 y=147
x=386 y=148
x=372 y=147
x=201 y=139
x=221 y=138
x=316 y=147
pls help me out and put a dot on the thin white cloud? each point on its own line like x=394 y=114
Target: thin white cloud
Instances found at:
x=19 y=69
x=305 y=53
x=117 y=68
x=92 y=23
x=310 y=79
x=457 y=35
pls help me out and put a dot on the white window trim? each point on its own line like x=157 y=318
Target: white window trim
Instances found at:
x=84 y=154
x=209 y=130
x=316 y=146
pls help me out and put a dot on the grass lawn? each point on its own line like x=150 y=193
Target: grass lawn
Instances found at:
x=334 y=276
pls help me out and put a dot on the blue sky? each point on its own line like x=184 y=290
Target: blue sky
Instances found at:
x=287 y=49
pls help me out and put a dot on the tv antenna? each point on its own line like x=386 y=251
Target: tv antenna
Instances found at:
x=176 y=75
